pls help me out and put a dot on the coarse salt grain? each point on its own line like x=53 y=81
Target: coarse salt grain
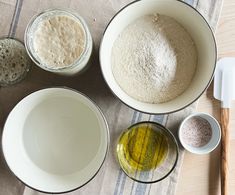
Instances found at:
x=196 y=132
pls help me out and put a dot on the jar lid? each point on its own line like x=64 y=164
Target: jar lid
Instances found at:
x=14 y=61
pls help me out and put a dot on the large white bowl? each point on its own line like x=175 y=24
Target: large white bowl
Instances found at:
x=55 y=140
x=192 y=21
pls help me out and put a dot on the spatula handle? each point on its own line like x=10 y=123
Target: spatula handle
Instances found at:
x=224 y=150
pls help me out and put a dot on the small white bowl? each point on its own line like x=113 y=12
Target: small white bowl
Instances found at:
x=197 y=27
x=214 y=141
x=55 y=140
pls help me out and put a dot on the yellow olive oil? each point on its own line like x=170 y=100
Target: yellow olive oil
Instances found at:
x=142 y=148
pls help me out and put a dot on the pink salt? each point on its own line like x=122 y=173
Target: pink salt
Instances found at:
x=196 y=132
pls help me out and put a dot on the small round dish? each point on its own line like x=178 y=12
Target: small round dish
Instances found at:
x=14 y=61
x=55 y=140
x=210 y=138
x=79 y=64
x=147 y=152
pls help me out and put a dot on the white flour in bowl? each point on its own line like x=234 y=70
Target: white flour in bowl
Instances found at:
x=154 y=59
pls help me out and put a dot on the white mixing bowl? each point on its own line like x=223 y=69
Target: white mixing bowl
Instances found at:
x=197 y=27
x=55 y=140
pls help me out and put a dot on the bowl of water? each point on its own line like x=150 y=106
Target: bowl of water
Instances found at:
x=55 y=140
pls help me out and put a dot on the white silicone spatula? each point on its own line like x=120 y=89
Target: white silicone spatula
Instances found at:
x=224 y=90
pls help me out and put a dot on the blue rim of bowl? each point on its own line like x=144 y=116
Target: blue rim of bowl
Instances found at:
x=172 y=138
x=107 y=149
x=195 y=99
x=194 y=115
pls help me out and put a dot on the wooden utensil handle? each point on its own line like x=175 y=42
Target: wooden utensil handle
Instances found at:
x=224 y=150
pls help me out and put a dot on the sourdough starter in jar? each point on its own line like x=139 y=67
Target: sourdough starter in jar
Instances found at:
x=59 y=41
x=14 y=61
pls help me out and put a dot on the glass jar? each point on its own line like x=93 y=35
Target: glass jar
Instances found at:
x=79 y=63
x=14 y=61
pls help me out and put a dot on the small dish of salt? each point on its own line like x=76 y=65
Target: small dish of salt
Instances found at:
x=199 y=133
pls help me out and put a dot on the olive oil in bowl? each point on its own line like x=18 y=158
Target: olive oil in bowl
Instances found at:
x=144 y=149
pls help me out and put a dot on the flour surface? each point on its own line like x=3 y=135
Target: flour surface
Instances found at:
x=154 y=59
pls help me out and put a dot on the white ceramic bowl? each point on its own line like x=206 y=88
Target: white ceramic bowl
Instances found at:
x=192 y=21
x=214 y=141
x=55 y=140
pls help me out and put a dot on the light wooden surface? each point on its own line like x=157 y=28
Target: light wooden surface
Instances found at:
x=200 y=174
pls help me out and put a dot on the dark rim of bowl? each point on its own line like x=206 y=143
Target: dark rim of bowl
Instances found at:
x=174 y=141
x=107 y=149
x=195 y=99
